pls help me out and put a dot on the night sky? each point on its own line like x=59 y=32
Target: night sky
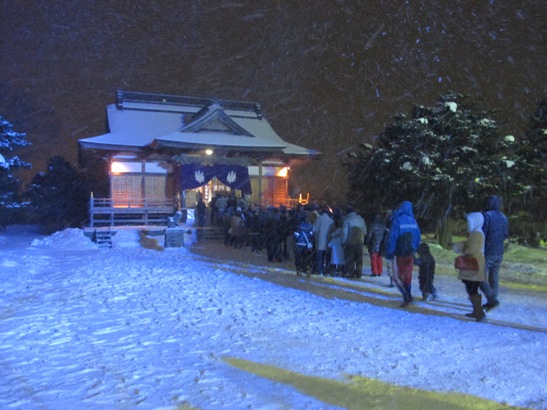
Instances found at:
x=328 y=74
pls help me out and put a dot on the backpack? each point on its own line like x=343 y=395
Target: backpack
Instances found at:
x=404 y=245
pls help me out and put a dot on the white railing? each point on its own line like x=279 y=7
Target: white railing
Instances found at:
x=129 y=211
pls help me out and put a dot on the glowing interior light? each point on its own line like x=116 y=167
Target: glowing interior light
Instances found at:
x=118 y=168
x=209 y=152
x=283 y=172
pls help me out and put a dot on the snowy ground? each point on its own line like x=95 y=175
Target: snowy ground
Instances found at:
x=128 y=327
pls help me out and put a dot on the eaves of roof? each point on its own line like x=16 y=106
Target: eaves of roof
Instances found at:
x=138 y=124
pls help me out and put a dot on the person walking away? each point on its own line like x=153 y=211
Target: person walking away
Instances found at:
x=201 y=217
x=389 y=262
x=214 y=211
x=285 y=230
x=426 y=273
x=221 y=203
x=472 y=279
x=253 y=226
x=320 y=231
x=312 y=214
x=303 y=246
x=337 y=261
x=272 y=237
x=496 y=231
x=227 y=224
x=404 y=239
x=353 y=238
x=374 y=242
x=237 y=229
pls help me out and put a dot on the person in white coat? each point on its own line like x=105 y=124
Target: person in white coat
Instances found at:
x=335 y=251
x=321 y=228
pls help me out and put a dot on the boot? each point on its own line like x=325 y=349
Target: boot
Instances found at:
x=408 y=291
x=407 y=295
x=478 y=313
x=491 y=305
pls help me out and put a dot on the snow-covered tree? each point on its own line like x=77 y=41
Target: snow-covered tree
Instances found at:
x=532 y=154
x=59 y=196
x=445 y=159
x=529 y=224
x=9 y=184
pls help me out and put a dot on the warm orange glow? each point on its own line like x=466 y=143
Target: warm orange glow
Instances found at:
x=118 y=168
x=304 y=201
x=283 y=172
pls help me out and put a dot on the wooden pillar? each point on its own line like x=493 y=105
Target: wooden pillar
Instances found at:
x=91 y=210
x=143 y=182
x=260 y=183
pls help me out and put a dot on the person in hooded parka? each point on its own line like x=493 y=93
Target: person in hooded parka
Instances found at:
x=474 y=247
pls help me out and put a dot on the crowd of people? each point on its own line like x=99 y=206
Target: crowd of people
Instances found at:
x=322 y=240
x=331 y=241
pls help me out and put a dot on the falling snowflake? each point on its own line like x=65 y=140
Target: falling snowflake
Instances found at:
x=231 y=178
x=199 y=177
x=407 y=166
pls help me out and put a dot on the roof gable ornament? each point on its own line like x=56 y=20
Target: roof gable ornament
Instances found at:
x=212 y=118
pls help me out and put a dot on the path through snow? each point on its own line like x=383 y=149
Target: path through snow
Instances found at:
x=129 y=327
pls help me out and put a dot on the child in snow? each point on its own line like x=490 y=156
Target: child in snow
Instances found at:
x=426 y=263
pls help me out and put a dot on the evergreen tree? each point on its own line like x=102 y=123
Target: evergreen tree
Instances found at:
x=59 y=196
x=532 y=154
x=529 y=224
x=9 y=185
x=445 y=159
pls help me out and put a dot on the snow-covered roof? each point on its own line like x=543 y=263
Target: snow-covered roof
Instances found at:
x=138 y=120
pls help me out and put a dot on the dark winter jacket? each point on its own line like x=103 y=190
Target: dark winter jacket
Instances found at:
x=403 y=221
x=425 y=261
x=285 y=227
x=375 y=235
x=271 y=223
x=385 y=239
x=495 y=227
x=237 y=225
x=303 y=236
x=201 y=215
